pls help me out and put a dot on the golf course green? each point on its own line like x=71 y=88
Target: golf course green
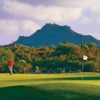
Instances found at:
x=69 y=86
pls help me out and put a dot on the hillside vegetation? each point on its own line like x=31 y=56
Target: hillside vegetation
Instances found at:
x=61 y=59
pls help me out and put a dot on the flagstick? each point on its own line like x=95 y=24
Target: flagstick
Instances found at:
x=83 y=62
x=83 y=67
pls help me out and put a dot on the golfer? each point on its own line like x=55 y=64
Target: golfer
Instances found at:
x=10 y=66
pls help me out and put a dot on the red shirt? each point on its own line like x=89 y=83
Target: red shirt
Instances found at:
x=10 y=63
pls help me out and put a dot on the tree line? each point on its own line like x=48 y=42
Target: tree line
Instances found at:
x=50 y=59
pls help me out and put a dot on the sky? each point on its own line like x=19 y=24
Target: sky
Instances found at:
x=24 y=17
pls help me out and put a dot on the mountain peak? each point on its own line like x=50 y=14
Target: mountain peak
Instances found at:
x=55 y=26
x=50 y=25
x=54 y=34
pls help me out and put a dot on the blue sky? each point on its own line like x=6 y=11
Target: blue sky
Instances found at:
x=24 y=17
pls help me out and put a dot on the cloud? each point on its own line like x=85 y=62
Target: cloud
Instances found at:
x=28 y=27
x=11 y=29
x=14 y=26
x=9 y=26
x=87 y=20
x=41 y=12
x=98 y=21
x=75 y=3
x=58 y=11
x=95 y=8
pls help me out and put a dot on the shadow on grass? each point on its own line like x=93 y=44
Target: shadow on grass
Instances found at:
x=71 y=78
x=59 y=79
x=47 y=92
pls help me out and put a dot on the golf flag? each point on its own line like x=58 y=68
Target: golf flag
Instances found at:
x=85 y=57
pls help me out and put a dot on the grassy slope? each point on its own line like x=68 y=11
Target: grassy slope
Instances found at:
x=50 y=86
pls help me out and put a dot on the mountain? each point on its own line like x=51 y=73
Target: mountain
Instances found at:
x=55 y=34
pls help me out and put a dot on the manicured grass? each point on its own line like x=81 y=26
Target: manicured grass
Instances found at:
x=71 y=86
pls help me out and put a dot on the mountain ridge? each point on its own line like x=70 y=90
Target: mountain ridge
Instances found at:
x=55 y=34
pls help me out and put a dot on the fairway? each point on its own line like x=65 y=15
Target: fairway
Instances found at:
x=70 y=86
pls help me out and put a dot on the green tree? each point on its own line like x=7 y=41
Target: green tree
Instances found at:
x=5 y=54
x=21 y=65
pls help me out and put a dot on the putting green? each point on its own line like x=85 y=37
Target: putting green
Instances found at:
x=70 y=86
